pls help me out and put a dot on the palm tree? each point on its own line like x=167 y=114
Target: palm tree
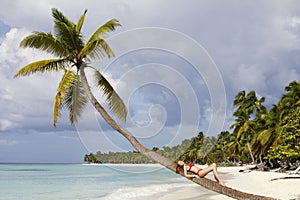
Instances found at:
x=73 y=54
x=221 y=148
x=242 y=129
x=193 y=152
x=235 y=147
x=243 y=125
x=268 y=135
x=260 y=142
x=206 y=148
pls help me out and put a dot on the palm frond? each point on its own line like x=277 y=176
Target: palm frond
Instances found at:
x=66 y=82
x=57 y=107
x=102 y=31
x=72 y=39
x=45 y=42
x=239 y=98
x=75 y=100
x=115 y=103
x=42 y=66
x=97 y=49
x=96 y=45
x=265 y=136
x=60 y=18
x=80 y=22
x=66 y=31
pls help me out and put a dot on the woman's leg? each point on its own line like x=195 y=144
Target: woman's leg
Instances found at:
x=211 y=168
x=216 y=174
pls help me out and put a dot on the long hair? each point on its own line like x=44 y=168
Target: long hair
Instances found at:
x=178 y=168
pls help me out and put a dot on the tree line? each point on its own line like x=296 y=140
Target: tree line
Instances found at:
x=257 y=135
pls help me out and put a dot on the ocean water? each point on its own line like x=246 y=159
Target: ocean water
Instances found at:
x=79 y=181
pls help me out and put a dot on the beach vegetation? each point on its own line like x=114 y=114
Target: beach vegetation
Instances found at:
x=273 y=136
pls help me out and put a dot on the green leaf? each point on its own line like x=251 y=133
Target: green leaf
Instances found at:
x=102 y=31
x=116 y=104
x=45 y=42
x=96 y=49
x=57 y=107
x=75 y=99
x=66 y=32
x=265 y=136
x=72 y=39
x=59 y=17
x=80 y=22
x=96 y=46
x=66 y=82
x=42 y=66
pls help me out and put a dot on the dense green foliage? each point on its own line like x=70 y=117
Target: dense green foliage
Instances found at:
x=258 y=135
x=117 y=157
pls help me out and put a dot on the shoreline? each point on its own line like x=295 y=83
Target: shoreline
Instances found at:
x=125 y=164
x=266 y=183
x=150 y=181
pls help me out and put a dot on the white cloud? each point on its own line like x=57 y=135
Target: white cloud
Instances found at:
x=5 y=124
x=30 y=14
x=7 y=142
x=254 y=44
x=24 y=101
x=295 y=22
x=249 y=77
x=111 y=140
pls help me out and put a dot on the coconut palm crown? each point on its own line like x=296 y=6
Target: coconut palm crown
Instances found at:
x=73 y=52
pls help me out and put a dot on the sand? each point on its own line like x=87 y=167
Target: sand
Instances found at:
x=254 y=182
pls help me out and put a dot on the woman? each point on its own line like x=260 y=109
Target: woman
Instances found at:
x=198 y=172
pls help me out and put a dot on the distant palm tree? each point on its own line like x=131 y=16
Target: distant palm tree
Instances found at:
x=268 y=136
x=221 y=147
x=73 y=55
x=244 y=128
x=242 y=123
x=260 y=142
x=235 y=147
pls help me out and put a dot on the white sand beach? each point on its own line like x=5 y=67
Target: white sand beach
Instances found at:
x=254 y=182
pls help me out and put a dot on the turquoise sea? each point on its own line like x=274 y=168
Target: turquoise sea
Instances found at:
x=79 y=181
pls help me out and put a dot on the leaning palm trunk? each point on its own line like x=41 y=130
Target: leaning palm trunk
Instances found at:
x=72 y=51
x=137 y=145
x=206 y=183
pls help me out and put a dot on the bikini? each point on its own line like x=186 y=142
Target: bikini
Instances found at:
x=190 y=167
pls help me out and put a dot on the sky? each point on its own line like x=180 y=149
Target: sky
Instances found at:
x=178 y=67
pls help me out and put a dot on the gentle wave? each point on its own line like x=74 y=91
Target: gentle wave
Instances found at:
x=130 y=193
x=110 y=182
